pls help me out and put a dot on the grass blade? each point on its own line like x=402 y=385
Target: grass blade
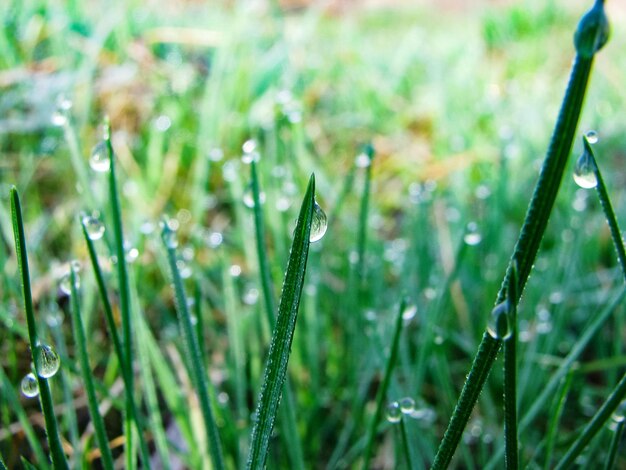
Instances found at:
x=85 y=370
x=280 y=347
x=59 y=461
x=615 y=442
x=287 y=416
x=198 y=371
x=382 y=391
x=535 y=222
x=510 y=378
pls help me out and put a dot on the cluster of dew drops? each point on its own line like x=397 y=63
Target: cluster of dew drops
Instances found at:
x=407 y=406
x=47 y=365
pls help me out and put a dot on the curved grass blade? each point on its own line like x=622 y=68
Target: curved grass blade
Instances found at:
x=280 y=347
x=59 y=461
x=85 y=370
x=198 y=371
x=591 y=35
x=382 y=391
x=288 y=416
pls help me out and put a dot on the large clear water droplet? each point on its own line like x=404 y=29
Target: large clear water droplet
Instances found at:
x=499 y=325
x=584 y=171
x=29 y=385
x=394 y=413
x=48 y=361
x=93 y=226
x=99 y=159
x=407 y=405
x=319 y=223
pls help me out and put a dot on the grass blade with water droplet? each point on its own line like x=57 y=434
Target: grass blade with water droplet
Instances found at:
x=526 y=248
x=382 y=391
x=280 y=347
x=287 y=416
x=85 y=372
x=198 y=371
x=59 y=461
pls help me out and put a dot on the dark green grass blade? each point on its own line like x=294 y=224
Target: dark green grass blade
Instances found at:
x=615 y=443
x=384 y=386
x=85 y=371
x=288 y=416
x=59 y=460
x=280 y=347
x=197 y=371
x=534 y=225
x=510 y=379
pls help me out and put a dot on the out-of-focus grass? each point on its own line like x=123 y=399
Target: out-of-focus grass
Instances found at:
x=459 y=108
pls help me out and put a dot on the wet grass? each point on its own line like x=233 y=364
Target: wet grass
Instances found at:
x=458 y=113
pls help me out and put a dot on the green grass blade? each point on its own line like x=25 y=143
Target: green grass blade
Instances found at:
x=198 y=371
x=287 y=416
x=384 y=386
x=615 y=442
x=607 y=207
x=405 y=444
x=87 y=375
x=555 y=418
x=280 y=347
x=59 y=461
x=368 y=152
x=510 y=378
x=534 y=226
x=595 y=424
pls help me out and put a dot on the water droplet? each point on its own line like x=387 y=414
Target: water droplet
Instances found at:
x=251 y=296
x=216 y=154
x=472 y=236
x=250 y=152
x=407 y=405
x=409 y=312
x=64 y=103
x=131 y=255
x=170 y=238
x=29 y=385
x=319 y=223
x=214 y=239
x=584 y=171
x=248 y=198
x=394 y=413
x=162 y=123
x=592 y=137
x=58 y=118
x=99 y=159
x=75 y=265
x=93 y=226
x=65 y=284
x=235 y=270
x=619 y=415
x=48 y=361
x=499 y=325
x=363 y=160
x=184 y=269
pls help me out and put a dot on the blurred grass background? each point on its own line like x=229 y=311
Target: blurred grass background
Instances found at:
x=458 y=99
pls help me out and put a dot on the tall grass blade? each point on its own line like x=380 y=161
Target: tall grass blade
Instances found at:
x=591 y=35
x=86 y=373
x=280 y=347
x=384 y=386
x=198 y=371
x=59 y=461
x=615 y=443
x=510 y=377
x=287 y=416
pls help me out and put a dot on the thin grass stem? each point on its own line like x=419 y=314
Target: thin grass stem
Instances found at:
x=405 y=444
x=555 y=418
x=535 y=222
x=384 y=386
x=609 y=464
x=197 y=371
x=510 y=378
x=86 y=373
x=59 y=460
x=280 y=346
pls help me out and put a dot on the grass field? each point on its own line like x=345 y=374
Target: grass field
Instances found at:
x=425 y=129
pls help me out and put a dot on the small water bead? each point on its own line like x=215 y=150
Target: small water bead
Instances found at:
x=248 y=198
x=619 y=415
x=65 y=284
x=592 y=137
x=250 y=152
x=499 y=325
x=169 y=234
x=363 y=160
x=409 y=312
x=99 y=160
x=251 y=296
x=214 y=239
x=407 y=405
x=319 y=223
x=216 y=154
x=394 y=413
x=48 y=361
x=30 y=386
x=58 y=118
x=93 y=226
x=472 y=236
x=132 y=254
